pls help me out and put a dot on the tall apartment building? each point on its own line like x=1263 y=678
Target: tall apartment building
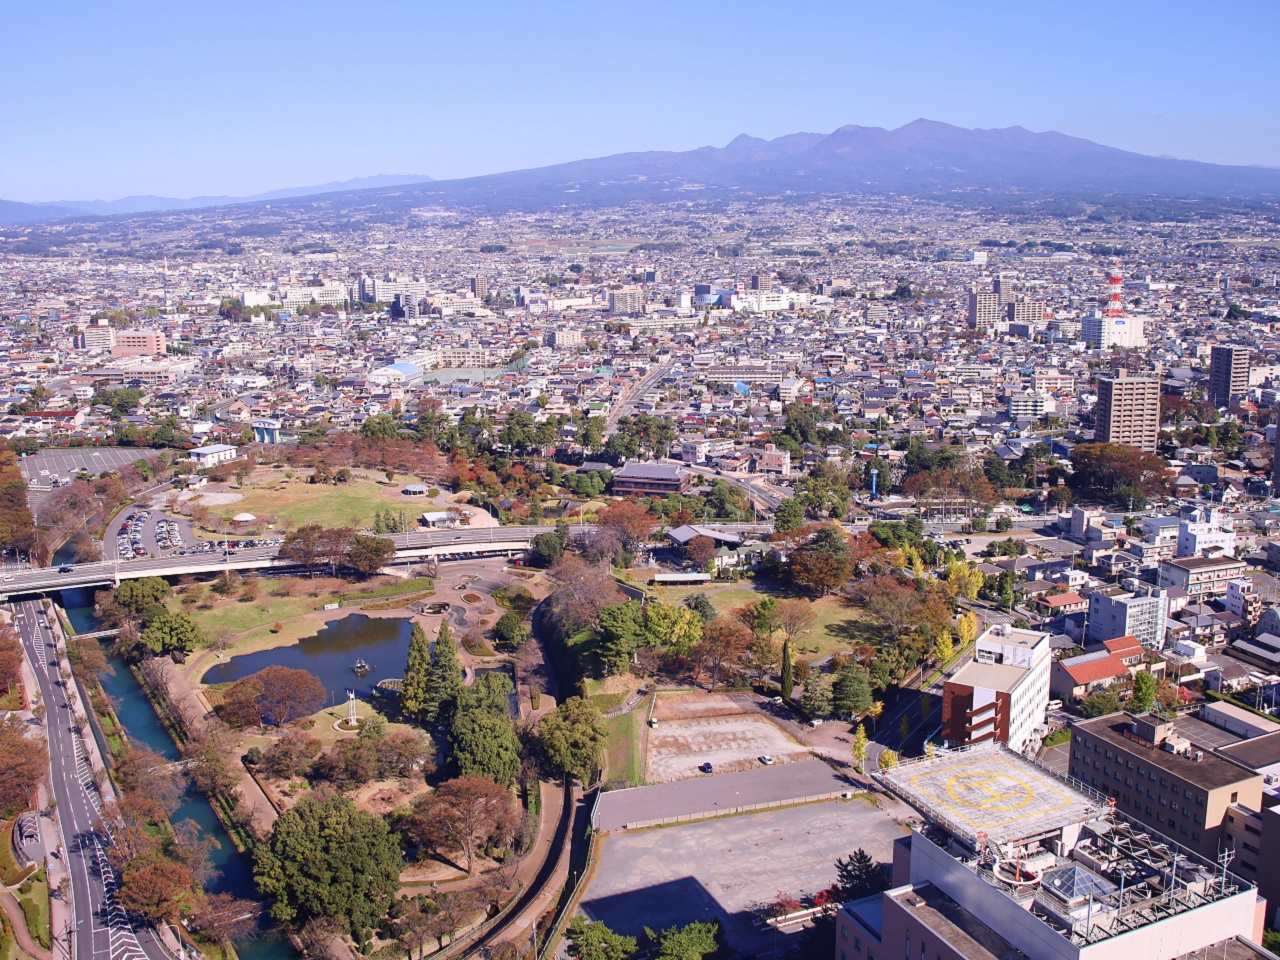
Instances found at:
x=985 y=311
x=480 y=287
x=1102 y=332
x=97 y=335
x=138 y=343
x=1128 y=411
x=762 y=282
x=1115 y=612
x=1002 y=693
x=1025 y=311
x=1024 y=404
x=626 y=300
x=1228 y=374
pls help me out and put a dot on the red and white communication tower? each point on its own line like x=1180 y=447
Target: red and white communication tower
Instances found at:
x=1115 y=301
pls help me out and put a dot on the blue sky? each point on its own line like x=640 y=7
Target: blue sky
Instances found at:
x=101 y=100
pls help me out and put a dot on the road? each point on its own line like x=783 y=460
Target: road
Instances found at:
x=766 y=496
x=102 y=931
x=632 y=395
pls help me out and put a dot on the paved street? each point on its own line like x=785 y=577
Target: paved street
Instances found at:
x=102 y=931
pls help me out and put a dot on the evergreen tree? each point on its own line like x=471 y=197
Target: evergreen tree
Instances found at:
x=851 y=691
x=417 y=672
x=788 y=680
x=444 y=680
x=858 y=876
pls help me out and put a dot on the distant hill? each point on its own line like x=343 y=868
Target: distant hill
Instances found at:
x=15 y=212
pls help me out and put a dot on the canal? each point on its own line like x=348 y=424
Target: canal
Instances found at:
x=143 y=726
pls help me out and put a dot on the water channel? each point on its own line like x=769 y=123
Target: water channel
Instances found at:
x=143 y=726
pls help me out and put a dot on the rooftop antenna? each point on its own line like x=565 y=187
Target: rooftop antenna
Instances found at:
x=1224 y=860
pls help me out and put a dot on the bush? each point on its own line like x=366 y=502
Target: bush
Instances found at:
x=34 y=924
x=253 y=757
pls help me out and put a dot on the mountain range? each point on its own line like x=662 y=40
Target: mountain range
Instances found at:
x=13 y=211
x=922 y=158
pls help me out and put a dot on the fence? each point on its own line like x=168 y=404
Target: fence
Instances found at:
x=727 y=811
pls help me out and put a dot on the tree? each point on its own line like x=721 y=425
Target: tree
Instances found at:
x=963 y=580
x=943 y=648
x=154 y=887
x=417 y=672
x=690 y=942
x=334 y=546
x=224 y=917
x=819 y=570
x=787 y=678
x=545 y=549
x=367 y=555
x=888 y=759
x=1110 y=471
x=136 y=595
x=24 y=762
x=511 y=630
x=723 y=642
x=621 y=632
x=485 y=744
x=794 y=618
x=851 y=691
x=700 y=551
x=788 y=516
x=816 y=700
x=859 y=747
x=629 y=520
x=858 y=876
x=892 y=604
x=1100 y=704
x=171 y=631
x=275 y=696
x=444 y=680
x=326 y=858
x=701 y=604
x=967 y=628
x=144 y=772
x=1144 y=692
x=304 y=547
x=573 y=737
x=592 y=940
x=464 y=815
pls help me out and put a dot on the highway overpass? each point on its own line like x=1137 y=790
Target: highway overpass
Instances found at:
x=457 y=542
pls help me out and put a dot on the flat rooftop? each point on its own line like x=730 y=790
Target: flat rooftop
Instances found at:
x=1210 y=773
x=992 y=790
x=945 y=918
x=990 y=676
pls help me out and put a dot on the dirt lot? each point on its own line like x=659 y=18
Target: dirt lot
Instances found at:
x=733 y=742
x=683 y=706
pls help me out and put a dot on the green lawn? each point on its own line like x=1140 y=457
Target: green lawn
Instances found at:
x=624 y=758
x=346 y=504
x=837 y=626
x=236 y=616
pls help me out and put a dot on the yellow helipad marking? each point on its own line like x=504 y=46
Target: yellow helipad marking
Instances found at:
x=992 y=792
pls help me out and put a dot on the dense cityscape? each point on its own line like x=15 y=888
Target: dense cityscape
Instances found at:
x=838 y=545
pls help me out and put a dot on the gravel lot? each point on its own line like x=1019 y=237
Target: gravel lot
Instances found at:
x=717 y=869
x=678 y=747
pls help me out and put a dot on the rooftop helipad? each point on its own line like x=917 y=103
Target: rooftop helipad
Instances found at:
x=991 y=790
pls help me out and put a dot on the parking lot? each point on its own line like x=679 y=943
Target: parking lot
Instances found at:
x=45 y=466
x=678 y=748
x=720 y=869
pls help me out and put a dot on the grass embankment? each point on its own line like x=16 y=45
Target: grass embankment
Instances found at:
x=10 y=873
x=624 y=758
x=340 y=505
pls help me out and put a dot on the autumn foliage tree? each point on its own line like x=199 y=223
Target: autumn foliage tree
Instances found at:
x=24 y=760
x=275 y=696
x=631 y=521
x=462 y=816
x=1114 y=471
x=724 y=642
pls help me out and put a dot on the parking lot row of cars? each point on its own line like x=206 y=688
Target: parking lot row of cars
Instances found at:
x=129 y=545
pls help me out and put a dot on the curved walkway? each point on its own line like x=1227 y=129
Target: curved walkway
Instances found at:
x=18 y=921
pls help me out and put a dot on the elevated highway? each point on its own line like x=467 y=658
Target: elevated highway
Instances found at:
x=458 y=542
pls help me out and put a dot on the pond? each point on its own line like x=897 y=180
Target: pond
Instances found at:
x=381 y=642
x=139 y=720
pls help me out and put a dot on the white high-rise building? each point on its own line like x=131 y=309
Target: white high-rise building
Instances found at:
x=1103 y=332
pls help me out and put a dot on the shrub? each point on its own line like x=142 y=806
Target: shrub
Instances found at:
x=253 y=757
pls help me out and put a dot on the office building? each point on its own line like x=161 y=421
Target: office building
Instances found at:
x=1013 y=862
x=1102 y=332
x=985 y=311
x=138 y=343
x=626 y=300
x=1128 y=411
x=480 y=287
x=1030 y=312
x=1228 y=374
x=1202 y=577
x=1159 y=777
x=1115 y=612
x=1206 y=532
x=1001 y=694
x=762 y=282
